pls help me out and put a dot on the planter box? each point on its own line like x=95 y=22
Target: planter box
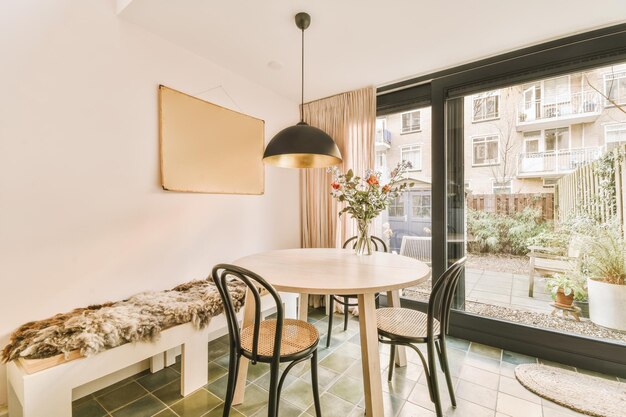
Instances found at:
x=607 y=304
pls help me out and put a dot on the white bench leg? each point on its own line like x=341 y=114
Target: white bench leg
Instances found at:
x=170 y=356
x=157 y=362
x=195 y=359
x=47 y=400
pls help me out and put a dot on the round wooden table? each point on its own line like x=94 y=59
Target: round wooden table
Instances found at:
x=339 y=271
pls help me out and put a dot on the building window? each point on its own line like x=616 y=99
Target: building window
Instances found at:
x=381 y=160
x=502 y=187
x=411 y=122
x=486 y=106
x=615 y=88
x=614 y=135
x=413 y=154
x=420 y=205
x=396 y=207
x=485 y=150
x=556 y=139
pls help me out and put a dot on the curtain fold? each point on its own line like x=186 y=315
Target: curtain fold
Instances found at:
x=350 y=119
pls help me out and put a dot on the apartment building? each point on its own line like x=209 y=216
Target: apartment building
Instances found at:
x=519 y=139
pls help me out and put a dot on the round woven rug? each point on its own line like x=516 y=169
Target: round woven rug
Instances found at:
x=583 y=393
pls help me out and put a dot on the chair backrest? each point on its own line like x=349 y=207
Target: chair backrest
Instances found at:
x=441 y=296
x=222 y=274
x=418 y=247
x=379 y=244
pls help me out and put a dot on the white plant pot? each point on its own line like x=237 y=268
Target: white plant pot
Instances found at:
x=607 y=304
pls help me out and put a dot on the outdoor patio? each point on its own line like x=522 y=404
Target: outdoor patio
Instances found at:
x=506 y=289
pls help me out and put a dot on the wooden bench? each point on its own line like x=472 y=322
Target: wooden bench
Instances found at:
x=43 y=387
x=546 y=261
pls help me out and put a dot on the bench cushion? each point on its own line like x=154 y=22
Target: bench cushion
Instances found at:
x=140 y=318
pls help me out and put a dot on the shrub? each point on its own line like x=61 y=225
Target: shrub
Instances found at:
x=499 y=233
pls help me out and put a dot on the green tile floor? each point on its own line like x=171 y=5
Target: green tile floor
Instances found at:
x=483 y=377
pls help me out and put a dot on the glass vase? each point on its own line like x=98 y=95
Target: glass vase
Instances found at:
x=363 y=244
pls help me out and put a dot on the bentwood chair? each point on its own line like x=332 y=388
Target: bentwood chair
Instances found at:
x=379 y=245
x=267 y=341
x=406 y=327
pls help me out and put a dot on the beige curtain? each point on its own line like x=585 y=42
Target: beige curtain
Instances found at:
x=350 y=119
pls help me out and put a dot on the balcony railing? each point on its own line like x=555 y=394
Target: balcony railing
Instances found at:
x=554 y=163
x=565 y=106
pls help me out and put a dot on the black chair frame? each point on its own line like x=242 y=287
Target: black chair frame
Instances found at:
x=221 y=275
x=439 y=304
x=378 y=244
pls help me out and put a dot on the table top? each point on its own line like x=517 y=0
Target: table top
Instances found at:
x=335 y=271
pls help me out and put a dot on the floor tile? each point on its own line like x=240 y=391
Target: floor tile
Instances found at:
x=122 y=396
x=486 y=351
x=517 y=358
x=332 y=406
x=349 y=389
x=512 y=387
x=596 y=374
x=254 y=400
x=168 y=413
x=88 y=408
x=337 y=361
x=457 y=343
x=516 y=407
x=469 y=409
x=144 y=407
x=285 y=409
x=478 y=394
x=219 y=410
x=299 y=393
x=169 y=394
x=158 y=379
x=480 y=377
x=196 y=404
x=482 y=362
x=217 y=350
x=412 y=410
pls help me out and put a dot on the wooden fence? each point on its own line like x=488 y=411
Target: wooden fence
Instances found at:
x=512 y=203
x=580 y=192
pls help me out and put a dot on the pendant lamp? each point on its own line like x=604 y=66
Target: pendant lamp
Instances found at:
x=302 y=146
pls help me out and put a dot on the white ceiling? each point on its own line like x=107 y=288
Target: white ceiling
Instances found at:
x=356 y=43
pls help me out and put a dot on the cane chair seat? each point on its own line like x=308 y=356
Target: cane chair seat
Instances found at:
x=403 y=323
x=298 y=336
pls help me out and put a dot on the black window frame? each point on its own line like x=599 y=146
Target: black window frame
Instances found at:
x=444 y=91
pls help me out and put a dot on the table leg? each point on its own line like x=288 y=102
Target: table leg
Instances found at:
x=370 y=357
x=303 y=310
x=248 y=320
x=393 y=299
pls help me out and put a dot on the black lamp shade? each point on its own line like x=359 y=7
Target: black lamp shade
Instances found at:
x=302 y=146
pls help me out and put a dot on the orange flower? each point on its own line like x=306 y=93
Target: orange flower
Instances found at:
x=386 y=188
x=372 y=180
x=335 y=186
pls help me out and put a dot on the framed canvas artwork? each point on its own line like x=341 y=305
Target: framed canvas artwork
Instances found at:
x=206 y=148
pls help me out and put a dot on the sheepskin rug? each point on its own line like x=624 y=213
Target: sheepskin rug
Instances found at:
x=139 y=318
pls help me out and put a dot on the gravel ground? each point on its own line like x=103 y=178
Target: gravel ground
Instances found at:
x=498 y=262
x=547 y=321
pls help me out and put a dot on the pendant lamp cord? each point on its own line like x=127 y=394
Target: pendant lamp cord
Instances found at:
x=302 y=80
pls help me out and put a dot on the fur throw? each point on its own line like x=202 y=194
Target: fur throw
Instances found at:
x=139 y=318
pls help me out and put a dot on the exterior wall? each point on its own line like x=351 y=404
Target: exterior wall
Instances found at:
x=479 y=178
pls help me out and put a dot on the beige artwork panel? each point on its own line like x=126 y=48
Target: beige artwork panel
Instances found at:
x=206 y=148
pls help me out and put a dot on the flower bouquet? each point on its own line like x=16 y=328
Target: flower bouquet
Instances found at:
x=365 y=198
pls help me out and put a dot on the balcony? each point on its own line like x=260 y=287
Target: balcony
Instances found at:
x=383 y=140
x=555 y=163
x=557 y=111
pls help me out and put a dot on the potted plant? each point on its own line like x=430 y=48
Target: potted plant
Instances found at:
x=564 y=288
x=603 y=263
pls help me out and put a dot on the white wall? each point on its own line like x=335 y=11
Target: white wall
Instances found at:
x=83 y=218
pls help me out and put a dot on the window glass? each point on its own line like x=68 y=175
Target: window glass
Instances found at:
x=485 y=150
x=411 y=121
x=486 y=106
x=412 y=154
x=615 y=88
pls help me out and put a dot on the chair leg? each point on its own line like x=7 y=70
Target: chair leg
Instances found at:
x=314 y=381
x=392 y=361
x=346 y=313
x=443 y=356
x=233 y=368
x=432 y=365
x=273 y=394
x=331 y=313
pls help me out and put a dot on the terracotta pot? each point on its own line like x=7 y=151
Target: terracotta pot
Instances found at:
x=564 y=300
